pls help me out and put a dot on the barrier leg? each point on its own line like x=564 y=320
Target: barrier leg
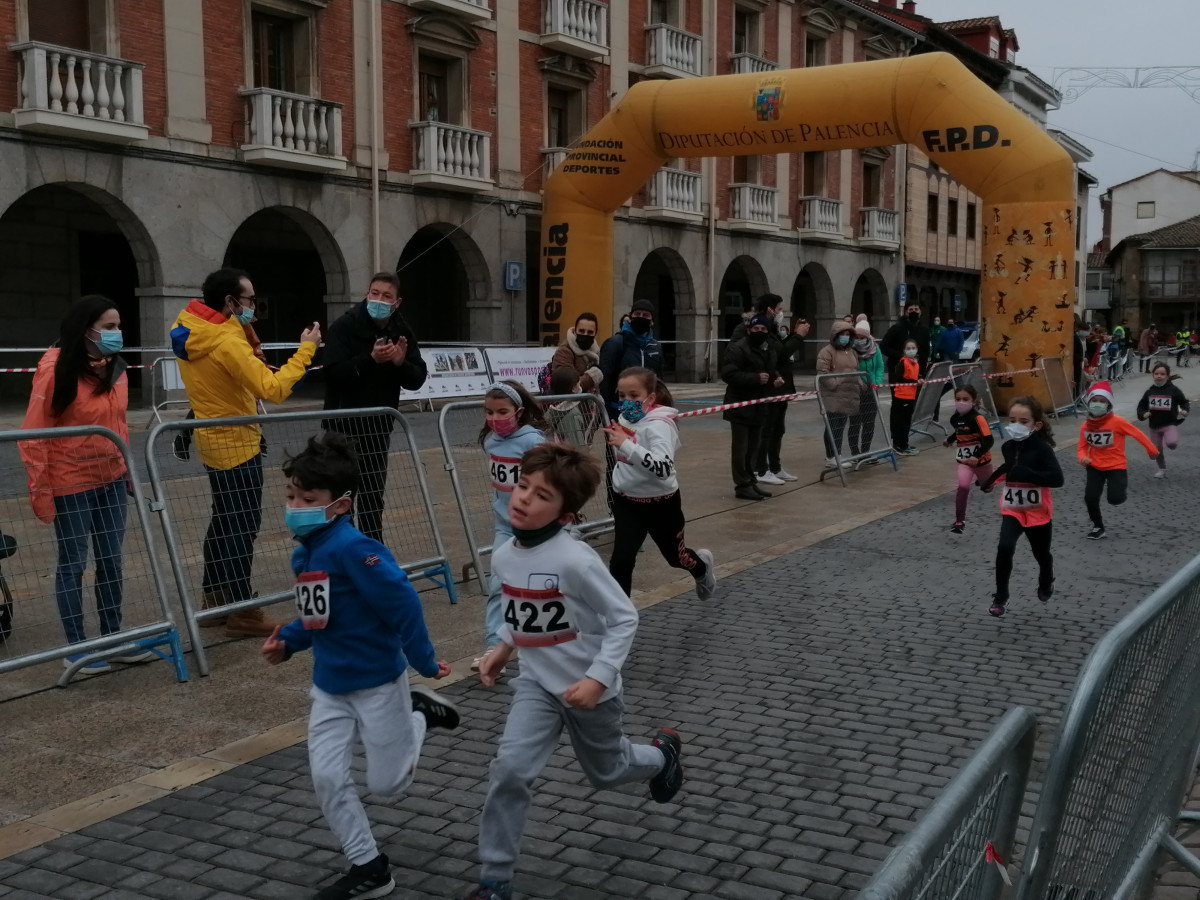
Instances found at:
x=1181 y=854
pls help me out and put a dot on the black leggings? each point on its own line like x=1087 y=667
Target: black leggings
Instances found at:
x=1039 y=542
x=1118 y=486
x=662 y=519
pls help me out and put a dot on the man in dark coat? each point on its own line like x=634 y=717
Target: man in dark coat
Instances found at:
x=750 y=371
x=908 y=328
x=633 y=345
x=370 y=355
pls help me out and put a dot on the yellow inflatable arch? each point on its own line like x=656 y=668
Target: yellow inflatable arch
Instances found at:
x=1025 y=180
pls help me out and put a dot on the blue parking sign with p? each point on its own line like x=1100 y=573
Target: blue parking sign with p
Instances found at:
x=514 y=275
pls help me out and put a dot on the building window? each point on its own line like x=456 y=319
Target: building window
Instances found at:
x=931 y=215
x=745 y=31
x=813 y=172
x=816 y=51
x=747 y=169
x=994 y=47
x=439 y=89
x=952 y=217
x=1078 y=228
x=872 y=184
x=972 y=213
x=1170 y=276
x=1145 y=209
x=564 y=116
x=274 y=43
x=64 y=23
x=664 y=12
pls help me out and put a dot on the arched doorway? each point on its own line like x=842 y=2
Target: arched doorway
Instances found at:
x=743 y=280
x=60 y=242
x=442 y=273
x=871 y=297
x=665 y=281
x=294 y=265
x=812 y=298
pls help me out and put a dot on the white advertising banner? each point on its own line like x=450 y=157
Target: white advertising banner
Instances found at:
x=453 y=372
x=520 y=364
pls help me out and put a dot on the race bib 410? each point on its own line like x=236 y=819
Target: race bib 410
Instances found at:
x=1023 y=498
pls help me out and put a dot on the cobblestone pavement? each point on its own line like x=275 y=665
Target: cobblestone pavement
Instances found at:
x=818 y=723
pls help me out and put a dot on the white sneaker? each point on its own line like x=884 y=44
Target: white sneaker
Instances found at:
x=477 y=660
x=707 y=586
x=1161 y=473
x=785 y=476
x=830 y=463
x=768 y=478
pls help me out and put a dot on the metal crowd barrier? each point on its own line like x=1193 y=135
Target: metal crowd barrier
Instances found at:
x=459 y=425
x=946 y=854
x=122 y=587
x=164 y=377
x=929 y=400
x=861 y=429
x=973 y=374
x=1058 y=385
x=1125 y=755
x=184 y=501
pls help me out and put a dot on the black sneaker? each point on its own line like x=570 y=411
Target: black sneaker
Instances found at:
x=957 y=527
x=5 y=620
x=374 y=879
x=1046 y=593
x=998 y=608
x=1096 y=533
x=760 y=491
x=437 y=710
x=666 y=784
x=491 y=890
x=182 y=447
x=748 y=494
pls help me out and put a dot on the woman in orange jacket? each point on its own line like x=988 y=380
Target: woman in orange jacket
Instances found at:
x=79 y=484
x=1102 y=450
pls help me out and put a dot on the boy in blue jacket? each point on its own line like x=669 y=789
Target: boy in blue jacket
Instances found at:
x=364 y=622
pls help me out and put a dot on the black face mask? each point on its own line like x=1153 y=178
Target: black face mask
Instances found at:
x=640 y=325
x=914 y=317
x=584 y=341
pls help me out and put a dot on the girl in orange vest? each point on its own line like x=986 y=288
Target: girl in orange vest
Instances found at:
x=1102 y=450
x=1030 y=470
x=906 y=378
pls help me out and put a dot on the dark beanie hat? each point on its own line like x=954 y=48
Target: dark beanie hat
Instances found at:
x=642 y=306
x=761 y=319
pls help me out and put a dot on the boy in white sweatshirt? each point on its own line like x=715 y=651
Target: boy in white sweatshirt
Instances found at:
x=646 y=497
x=574 y=626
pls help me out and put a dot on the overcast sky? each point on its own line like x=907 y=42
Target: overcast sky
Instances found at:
x=1122 y=127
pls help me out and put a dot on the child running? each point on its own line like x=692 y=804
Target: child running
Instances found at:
x=645 y=484
x=1102 y=450
x=973 y=453
x=363 y=621
x=1030 y=470
x=574 y=625
x=514 y=422
x=905 y=380
x=1167 y=408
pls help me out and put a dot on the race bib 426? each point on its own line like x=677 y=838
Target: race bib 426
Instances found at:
x=313 y=599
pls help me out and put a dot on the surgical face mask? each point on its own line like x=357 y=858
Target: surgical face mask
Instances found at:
x=379 y=310
x=842 y=340
x=962 y=407
x=937 y=321
x=911 y=354
x=302 y=520
x=504 y=427
x=243 y=315
x=779 y=317
x=1097 y=408
x=108 y=342
x=862 y=343
x=1017 y=432
x=640 y=324
x=632 y=412
x=1160 y=380
x=585 y=341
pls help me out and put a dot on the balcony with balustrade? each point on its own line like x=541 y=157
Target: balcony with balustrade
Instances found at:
x=451 y=157
x=820 y=218
x=748 y=63
x=674 y=195
x=578 y=27
x=752 y=207
x=291 y=131
x=672 y=52
x=879 y=228
x=475 y=10
x=73 y=93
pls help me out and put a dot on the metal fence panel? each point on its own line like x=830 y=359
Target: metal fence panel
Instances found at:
x=850 y=410
x=972 y=374
x=1062 y=397
x=944 y=856
x=929 y=399
x=459 y=425
x=89 y=583
x=183 y=495
x=1118 y=774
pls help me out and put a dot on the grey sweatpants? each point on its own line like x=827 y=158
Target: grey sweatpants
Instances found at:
x=535 y=721
x=392 y=735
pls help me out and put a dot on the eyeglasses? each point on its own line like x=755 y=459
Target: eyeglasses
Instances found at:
x=251 y=300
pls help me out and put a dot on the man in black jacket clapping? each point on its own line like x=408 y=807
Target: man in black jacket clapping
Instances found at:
x=750 y=371
x=370 y=355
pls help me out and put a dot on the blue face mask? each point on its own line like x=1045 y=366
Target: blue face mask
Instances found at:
x=304 y=520
x=244 y=316
x=631 y=411
x=842 y=340
x=109 y=343
x=379 y=310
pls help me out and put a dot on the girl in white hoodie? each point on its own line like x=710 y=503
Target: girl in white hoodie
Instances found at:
x=645 y=488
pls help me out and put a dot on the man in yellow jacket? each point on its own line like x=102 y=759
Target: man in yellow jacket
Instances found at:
x=224 y=378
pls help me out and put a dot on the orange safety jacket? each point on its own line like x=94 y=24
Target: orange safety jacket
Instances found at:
x=910 y=371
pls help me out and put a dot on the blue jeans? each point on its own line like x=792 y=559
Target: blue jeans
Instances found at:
x=98 y=514
x=236 y=518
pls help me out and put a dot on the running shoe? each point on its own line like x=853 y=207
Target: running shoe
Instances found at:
x=768 y=478
x=909 y=451
x=1046 y=593
x=491 y=890
x=437 y=710
x=756 y=489
x=957 y=527
x=1096 y=533
x=997 y=609
x=784 y=475
x=707 y=586
x=134 y=656
x=1161 y=473
x=373 y=879
x=95 y=667
x=666 y=784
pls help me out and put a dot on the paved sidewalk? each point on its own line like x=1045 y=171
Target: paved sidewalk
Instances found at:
x=825 y=698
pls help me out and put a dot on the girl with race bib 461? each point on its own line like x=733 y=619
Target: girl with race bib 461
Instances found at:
x=1102 y=450
x=513 y=423
x=1030 y=470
